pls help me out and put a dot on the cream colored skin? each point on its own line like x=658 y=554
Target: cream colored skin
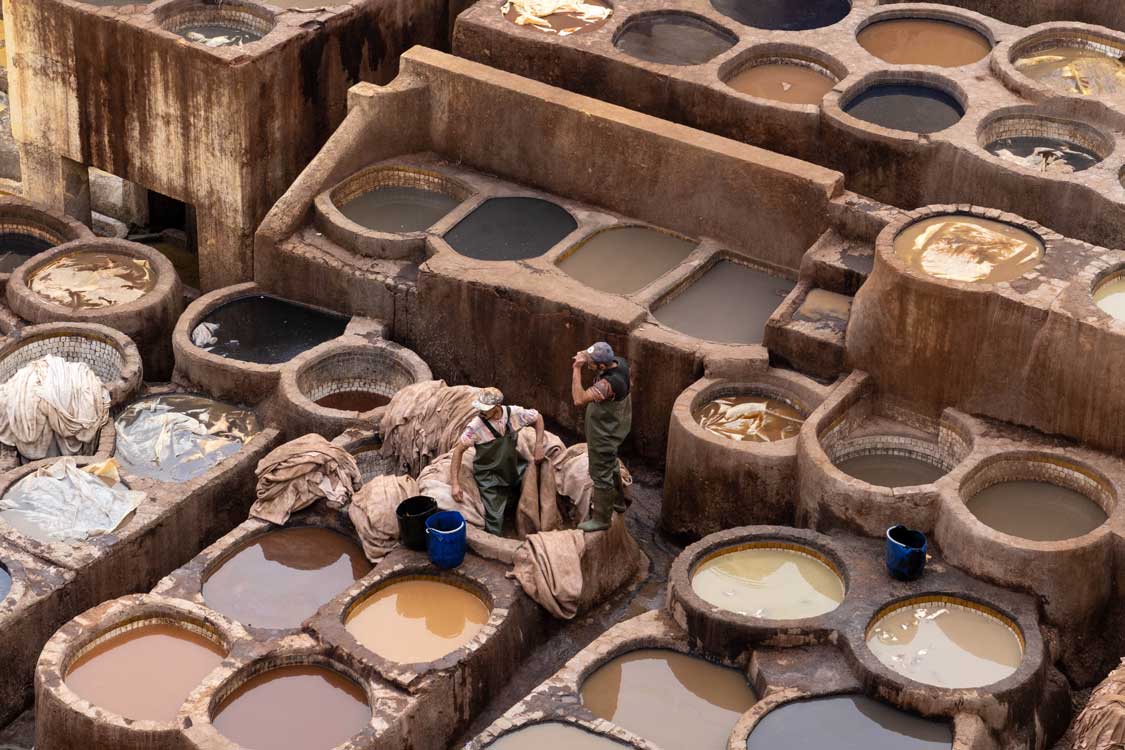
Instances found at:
x=459 y=451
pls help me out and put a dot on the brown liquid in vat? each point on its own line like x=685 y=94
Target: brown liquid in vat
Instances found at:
x=417 y=620
x=821 y=306
x=283 y=577
x=623 y=260
x=783 y=82
x=676 y=701
x=924 y=41
x=757 y=419
x=89 y=280
x=554 y=735
x=563 y=24
x=1038 y=511
x=966 y=248
x=1076 y=70
x=291 y=708
x=946 y=645
x=774 y=583
x=891 y=470
x=360 y=401
x=145 y=673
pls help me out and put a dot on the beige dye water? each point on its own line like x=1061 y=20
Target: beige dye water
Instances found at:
x=757 y=419
x=924 y=41
x=773 y=583
x=1039 y=511
x=553 y=735
x=1077 y=71
x=891 y=470
x=90 y=280
x=967 y=248
x=1110 y=297
x=783 y=82
x=622 y=260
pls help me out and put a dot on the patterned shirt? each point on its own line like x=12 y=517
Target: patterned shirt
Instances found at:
x=476 y=433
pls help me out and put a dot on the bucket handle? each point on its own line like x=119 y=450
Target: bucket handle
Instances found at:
x=451 y=531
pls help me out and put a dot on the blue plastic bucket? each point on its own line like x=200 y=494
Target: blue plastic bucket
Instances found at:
x=445 y=538
x=906 y=553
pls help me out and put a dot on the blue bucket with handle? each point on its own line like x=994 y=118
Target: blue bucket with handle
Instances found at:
x=445 y=538
x=906 y=553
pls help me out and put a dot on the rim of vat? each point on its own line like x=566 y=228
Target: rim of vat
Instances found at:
x=885 y=244
x=695 y=398
x=488 y=738
x=20 y=217
x=581 y=242
x=1069 y=129
x=835 y=102
x=255 y=18
x=128 y=378
x=685 y=18
x=1042 y=36
x=787 y=53
x=925 y=12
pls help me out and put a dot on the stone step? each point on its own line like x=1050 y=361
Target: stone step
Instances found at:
x=808 y=330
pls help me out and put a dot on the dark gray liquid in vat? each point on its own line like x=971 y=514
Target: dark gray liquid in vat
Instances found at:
x=5 y=582
x=231 y=36
x=730 y=303
x=891 y=470
x=673 y=39
x=398 y=209
x=847 y=722
x=17 y=247
x=510 y=229
x=1044 y=153
x=267 y=330
x=916 y=109
x=784 y=15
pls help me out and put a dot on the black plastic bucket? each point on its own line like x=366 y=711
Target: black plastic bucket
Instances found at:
x=412 y=514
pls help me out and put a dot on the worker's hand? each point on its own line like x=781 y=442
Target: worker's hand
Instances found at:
x=579 y=360
x=539 y=453
x=458 y=494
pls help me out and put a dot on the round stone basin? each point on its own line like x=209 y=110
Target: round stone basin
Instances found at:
x=1078 y=70
x=1039 y=511
x=769 y=581
x=784 y=81
x=967 y=248
x=784 y=15
x=554 y=735
x=179 y=436
x=145 y=671
x=673 y=39
x=594 y=15
x=5 y=582
x=924 y=41
x=623 y=260
x=511 y=229
x=847 y=722
x=87 y=280
x=1044 y=154
x=283 y=577
x=909 y=107
x=307 y=707
x=266 y=330
x=891 y=469
x=17 y=247
x=218 y=35
x=1109 y=295
x=671 y=699
x=947 y=643
x=751 y=418
x=398 y=209
x=417 y=620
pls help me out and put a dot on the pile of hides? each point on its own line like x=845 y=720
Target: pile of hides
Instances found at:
x=295 y=475
x=1101 y=725
x=548 y=567
x=52 y=407
x=372 y=512
x=61 y=502
x=534 y=12
x=425 y=420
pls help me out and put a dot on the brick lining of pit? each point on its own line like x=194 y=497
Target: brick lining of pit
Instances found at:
x=243 y=16
x=1025 y=121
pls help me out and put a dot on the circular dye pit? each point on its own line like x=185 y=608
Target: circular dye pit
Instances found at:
x=1038 y=511
x=623 y=260
x=924 y=41
x=1044 y=154
x=283 y=577
x=554 y=735
x=17 y=247
x=1077 y=69
x=908 y=107
x=265 y=330
x=144 y=672
x=177 y=437
x=88 y=280
x=769 y=582
x=306 y=707
x=587 y=16
x=784 y=15
x=417 y=620
x=5 y=583
x=751 y=418
x=218 y=35
x=398 y=209
x=1109 y=295
x=511 y=229
x=967 y=248
x=847 y=722
x=947 y=644
x=788 y=81
x=671 y=699
x=673 y=39
x=891 y=469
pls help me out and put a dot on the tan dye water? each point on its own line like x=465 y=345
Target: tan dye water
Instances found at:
x=678 y=702
x=144 y=673
x=967 y=248
x=891 y=470
x=773 y=583
x=757 y=419
x=1039 y=511
x=1076 y=70
x=783 y=82
x=947 y=645
x=824 y=306
x=88 y=280
x=291 y=708
x=417 y=620
x=924 y=41
x=1110 y=297
x=623 y=260
x=563 y=24
x=554 y=735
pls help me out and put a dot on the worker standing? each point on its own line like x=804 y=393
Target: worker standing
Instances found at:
x=609 y=417
x=497 y=466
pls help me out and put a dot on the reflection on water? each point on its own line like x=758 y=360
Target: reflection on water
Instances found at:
x=769 y=582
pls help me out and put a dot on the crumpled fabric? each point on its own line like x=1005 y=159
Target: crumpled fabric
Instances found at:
x=425 y=420
x=534 y=12
x=52 y=407
x=295 y=475
x=1101 y=725
x=572 y=476
x=204 y=335
x=548 y=567
x=61 y=502
x=372 y=512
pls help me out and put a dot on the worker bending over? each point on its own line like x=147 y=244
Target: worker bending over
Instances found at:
x=609 y=417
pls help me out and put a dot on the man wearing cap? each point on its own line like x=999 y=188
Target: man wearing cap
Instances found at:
x=609 y=417
x=497 y=465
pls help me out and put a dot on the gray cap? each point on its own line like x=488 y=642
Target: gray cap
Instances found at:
x=601 y=353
